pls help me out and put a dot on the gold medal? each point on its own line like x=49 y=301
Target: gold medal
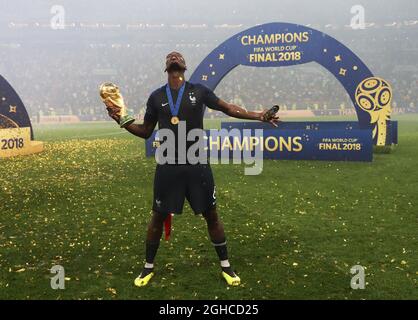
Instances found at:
x=175 y=120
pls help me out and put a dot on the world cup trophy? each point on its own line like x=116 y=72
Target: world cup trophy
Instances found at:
x=110 y=92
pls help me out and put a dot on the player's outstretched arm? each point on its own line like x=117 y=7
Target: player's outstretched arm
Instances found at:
x=140 y=130
x=235 y=111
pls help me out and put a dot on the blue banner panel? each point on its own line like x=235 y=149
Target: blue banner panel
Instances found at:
x=394 y=131
x=331 y=145
x=392 y=135
x=287 y=144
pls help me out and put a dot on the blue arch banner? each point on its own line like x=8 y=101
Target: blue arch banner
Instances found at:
x=286 y=44
x=16 y=134
x=13 y=113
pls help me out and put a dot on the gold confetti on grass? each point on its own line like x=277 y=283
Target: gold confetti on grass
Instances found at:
x=111 y=290
x=55 y=203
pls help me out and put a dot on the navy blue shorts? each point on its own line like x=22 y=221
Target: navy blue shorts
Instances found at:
x=174 y=183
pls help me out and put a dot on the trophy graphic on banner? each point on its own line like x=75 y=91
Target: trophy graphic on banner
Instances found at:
x=110 y=92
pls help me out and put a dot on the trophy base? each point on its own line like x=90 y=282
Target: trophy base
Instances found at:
x=126 y=121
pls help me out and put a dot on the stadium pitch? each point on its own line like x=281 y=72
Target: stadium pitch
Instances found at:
x=294 y=231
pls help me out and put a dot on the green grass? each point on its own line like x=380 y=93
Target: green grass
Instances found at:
x=293 y=232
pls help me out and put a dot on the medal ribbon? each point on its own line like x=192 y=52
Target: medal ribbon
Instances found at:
x=175 y=108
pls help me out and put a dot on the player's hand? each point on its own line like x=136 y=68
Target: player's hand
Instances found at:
x=112 y=110
x=274 y=119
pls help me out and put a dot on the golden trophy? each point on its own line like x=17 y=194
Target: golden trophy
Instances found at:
x=110 y=92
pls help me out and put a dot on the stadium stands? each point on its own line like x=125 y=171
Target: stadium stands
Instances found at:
x=65 y=80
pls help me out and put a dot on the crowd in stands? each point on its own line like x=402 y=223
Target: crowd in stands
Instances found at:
x=63 y=79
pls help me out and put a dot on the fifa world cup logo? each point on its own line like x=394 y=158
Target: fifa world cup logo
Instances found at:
x=374 y=96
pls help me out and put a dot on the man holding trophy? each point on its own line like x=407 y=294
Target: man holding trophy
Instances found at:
x=176 y=101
